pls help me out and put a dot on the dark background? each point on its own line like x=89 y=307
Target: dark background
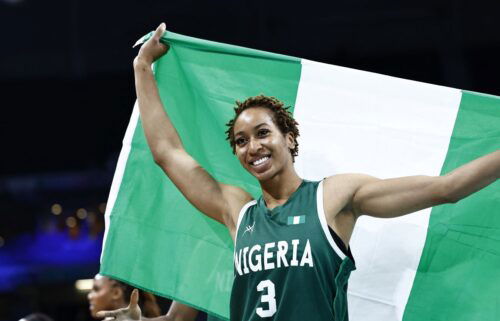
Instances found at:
x=67 y=93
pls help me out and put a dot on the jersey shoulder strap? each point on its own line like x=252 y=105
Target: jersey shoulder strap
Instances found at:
x=241 y=215
x=324 y=224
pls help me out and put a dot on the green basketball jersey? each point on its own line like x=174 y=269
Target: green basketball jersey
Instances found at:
x=287 y=265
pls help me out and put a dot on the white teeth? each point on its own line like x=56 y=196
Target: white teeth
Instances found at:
x=260 y=161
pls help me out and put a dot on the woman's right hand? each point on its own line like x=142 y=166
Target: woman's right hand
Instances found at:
x=152 y=49
x=130 y=313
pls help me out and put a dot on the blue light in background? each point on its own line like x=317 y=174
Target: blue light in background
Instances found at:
x=47 y=256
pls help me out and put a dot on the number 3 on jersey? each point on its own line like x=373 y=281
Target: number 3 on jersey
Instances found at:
x=269 y=297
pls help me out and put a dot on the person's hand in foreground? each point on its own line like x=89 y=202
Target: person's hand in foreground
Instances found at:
x=132 y=312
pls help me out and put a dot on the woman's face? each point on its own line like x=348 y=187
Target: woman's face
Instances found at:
x=260 y=146
x=104 y=296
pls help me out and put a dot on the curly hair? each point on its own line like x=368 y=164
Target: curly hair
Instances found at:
x=282 y=117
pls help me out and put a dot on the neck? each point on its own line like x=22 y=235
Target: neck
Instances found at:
x=278 y=189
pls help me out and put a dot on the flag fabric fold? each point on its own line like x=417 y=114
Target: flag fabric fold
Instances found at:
x=437 y=264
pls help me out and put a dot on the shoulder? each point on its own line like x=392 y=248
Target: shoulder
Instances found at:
x=338 y=201
x=346 y=182
x=341 y=183
x=339 y=190
x=235 y=194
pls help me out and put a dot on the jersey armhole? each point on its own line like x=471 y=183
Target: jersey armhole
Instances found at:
x=324 y=224
x=240 y=217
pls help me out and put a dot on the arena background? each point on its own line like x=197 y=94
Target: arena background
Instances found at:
x=67 y=94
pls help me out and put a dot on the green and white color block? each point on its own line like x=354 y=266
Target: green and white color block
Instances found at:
x=294 y=220
x=438 y=264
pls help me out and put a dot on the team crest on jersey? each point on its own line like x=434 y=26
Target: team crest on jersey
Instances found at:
x=249 y=228
x=294 y=220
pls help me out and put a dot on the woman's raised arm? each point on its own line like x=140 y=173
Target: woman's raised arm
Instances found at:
x=219 y=201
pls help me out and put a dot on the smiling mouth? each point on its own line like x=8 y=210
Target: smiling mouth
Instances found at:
x=260 y=161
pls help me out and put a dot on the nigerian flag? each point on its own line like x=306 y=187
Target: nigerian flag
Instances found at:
x=437 y=264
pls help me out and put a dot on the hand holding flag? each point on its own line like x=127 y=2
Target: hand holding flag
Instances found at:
x=152 y=49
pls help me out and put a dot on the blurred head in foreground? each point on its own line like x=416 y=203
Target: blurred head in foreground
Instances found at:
x=109 y=294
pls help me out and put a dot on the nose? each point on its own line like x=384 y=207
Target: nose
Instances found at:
x=89 y=296
x=254 y=145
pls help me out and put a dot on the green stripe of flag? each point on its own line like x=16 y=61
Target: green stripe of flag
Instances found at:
x=459 y=273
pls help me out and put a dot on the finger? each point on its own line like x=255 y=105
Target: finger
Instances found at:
x=159 y=31
x=134 y=298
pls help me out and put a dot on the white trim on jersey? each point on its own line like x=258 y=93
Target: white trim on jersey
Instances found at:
x=240 y=217
x=324 y=224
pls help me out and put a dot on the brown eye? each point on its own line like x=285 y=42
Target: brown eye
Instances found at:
x=240 y=141
x=263 y=132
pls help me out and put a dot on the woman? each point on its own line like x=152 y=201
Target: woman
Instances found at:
x=109 y=294
x=291 y=245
